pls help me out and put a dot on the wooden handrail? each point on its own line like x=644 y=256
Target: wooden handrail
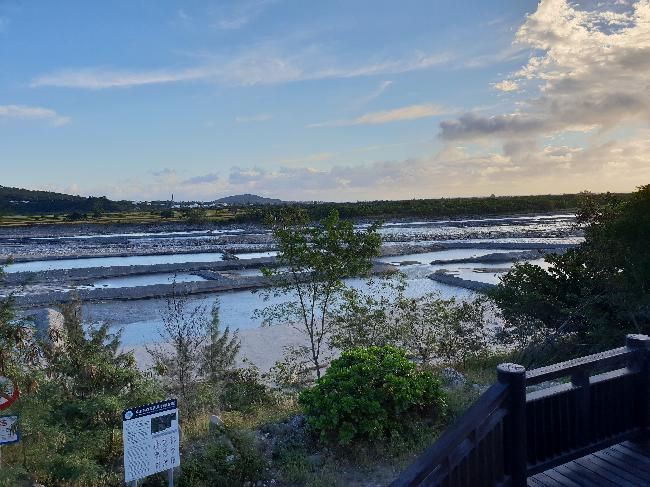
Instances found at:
x=559 y=423
x=565 y=369
x=453 y=437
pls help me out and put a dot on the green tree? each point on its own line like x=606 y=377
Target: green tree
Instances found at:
x=196 y=357
x=449 y=330
x=314 y=260
x=18 y=348
x=71 y=417
x=369 y=318
x=594 y=293
x=220 y=352
x=196 y=215
x=178 y=357
x=428 y=327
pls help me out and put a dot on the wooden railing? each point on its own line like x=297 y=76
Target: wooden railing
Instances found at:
x=509 y=434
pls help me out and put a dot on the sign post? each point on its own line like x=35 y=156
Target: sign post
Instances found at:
x=151 y=441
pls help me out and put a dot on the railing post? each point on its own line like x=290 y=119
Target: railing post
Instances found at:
x=515 y=435
x=580 y=380
x=641 y=361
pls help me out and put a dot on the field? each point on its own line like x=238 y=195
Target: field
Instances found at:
x=128 y=217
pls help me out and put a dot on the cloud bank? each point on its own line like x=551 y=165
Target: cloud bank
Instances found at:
x=590 y=70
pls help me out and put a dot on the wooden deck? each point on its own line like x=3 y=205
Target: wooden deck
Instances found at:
x=625 y=464
x=531 y=430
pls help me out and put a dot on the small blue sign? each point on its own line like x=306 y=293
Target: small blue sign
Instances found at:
x=9 y=430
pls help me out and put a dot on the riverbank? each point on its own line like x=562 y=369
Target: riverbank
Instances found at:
x=216 y=283
x=261 y=346
x=95 y=241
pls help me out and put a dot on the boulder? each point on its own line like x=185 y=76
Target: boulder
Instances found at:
x=216 y=421
x=452 y=378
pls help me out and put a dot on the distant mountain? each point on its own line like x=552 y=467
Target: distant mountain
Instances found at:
x=248 y=199
x=27 y=201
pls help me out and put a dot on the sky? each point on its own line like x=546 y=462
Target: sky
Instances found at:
x=331 y=100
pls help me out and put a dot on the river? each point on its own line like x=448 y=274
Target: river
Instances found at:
x=140 y=321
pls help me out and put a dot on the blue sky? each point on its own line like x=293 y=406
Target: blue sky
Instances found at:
x=326 y=100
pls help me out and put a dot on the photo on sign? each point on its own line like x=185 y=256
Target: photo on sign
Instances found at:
x=162 y=423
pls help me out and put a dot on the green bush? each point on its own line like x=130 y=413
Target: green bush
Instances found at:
x=371 y=393
x=229 y=460
x=244 y=390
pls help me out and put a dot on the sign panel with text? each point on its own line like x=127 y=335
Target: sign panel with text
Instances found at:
x=151 y=439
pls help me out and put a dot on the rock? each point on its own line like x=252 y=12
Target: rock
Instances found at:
x=298 y=421
x=216 y=421
x=444 y=277
x=481 y=388
x=229 y=256
x=453 y=378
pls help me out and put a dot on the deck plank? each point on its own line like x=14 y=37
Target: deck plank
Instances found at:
x=617 y=473
x=621 y=463
x=624 y=465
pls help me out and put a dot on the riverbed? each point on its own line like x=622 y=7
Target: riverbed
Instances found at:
x=410 y=246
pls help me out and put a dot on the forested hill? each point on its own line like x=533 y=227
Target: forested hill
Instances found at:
x=15 y=201
x=29 y=202
x=447 y=207
x=248 y=199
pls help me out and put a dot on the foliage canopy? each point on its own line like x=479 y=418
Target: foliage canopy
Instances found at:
x=370 y=393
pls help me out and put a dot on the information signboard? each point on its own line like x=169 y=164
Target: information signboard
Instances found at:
x=151 y=439
x=9 y=430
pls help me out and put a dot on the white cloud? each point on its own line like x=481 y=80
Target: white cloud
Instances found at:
x=412 y=112
x=506 y=85
x=258 y=66
x=33 y=113
x=99 y=78
x=591 y=71
x=376 y=93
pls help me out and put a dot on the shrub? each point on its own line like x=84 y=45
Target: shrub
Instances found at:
x=233 y=460
x=428 y=327
x=244 y=390
x=370 y=393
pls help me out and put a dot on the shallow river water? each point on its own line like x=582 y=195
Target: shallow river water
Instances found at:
x=140 y=321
